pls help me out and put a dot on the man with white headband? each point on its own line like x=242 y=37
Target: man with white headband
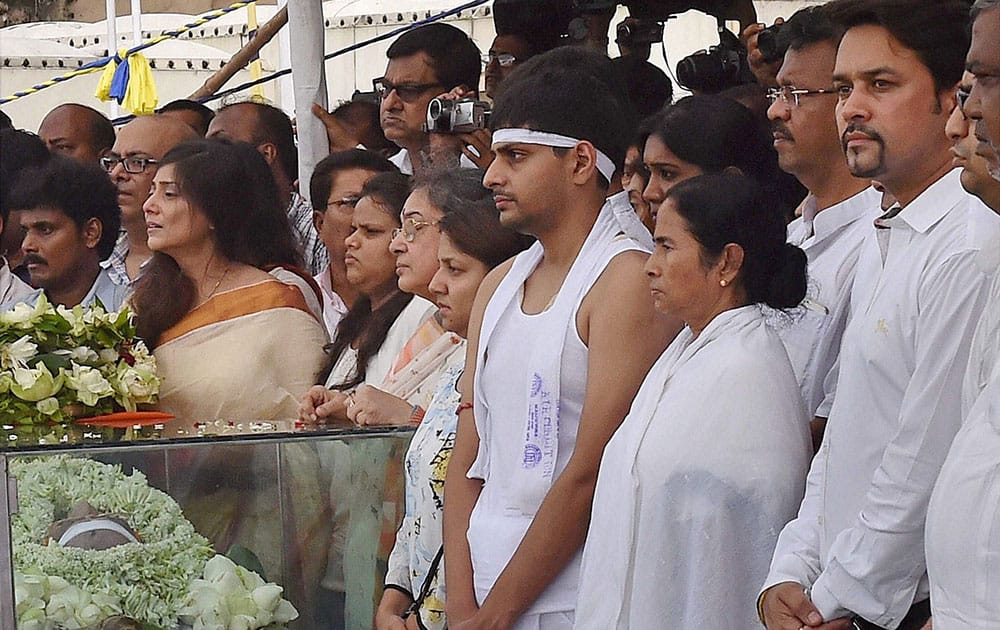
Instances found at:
x=560 y=339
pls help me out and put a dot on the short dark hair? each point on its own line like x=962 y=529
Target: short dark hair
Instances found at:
x=80 y=191
x=548 y=94
x=808 y=26
x=936 y=30
x=322 y=178
x=274 y=126
x=647 y=87
x=723 y=208
x=204 y=113
x=5 y=121
x=454 y=56
x=469 y=215
x=19 y=150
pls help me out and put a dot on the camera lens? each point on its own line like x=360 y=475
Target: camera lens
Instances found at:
x=434 y=108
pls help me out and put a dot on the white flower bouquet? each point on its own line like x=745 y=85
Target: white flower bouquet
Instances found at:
x=57 y=364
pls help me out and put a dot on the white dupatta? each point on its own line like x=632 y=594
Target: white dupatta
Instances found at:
x=697 y=482
x=535 y=471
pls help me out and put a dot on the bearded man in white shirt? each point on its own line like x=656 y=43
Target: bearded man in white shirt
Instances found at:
x=963 y=540
x=837 y=214
x=560 y=339
x=855 y=552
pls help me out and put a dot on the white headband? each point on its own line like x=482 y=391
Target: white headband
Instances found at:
x=97 y=524
x=529 y=136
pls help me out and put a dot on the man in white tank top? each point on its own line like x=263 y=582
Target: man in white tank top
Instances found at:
x=560 y=339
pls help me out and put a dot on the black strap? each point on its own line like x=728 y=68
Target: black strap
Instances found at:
x=425 y=588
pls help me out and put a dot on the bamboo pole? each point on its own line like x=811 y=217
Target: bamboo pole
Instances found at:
x=243 y=56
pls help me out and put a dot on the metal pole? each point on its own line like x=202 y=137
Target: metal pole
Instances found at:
x=305 y=28
x=136 y=22
x=111 y=16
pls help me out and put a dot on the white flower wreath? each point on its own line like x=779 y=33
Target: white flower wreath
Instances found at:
x=149 y=580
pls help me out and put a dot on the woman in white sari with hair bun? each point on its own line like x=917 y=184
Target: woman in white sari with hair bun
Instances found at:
x=711 y=460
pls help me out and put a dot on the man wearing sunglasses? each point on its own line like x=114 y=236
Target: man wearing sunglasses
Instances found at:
x=131 y=165
x=423 y=63
x=836 y=214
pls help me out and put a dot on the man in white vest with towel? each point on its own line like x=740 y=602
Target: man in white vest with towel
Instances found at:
x=560 y=339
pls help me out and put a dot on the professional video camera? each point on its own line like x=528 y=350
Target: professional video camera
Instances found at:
x=771 y=44
x=456 y=116
x=635 y=32
x=718 y=68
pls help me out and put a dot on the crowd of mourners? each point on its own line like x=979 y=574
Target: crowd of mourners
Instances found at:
x=713 y=363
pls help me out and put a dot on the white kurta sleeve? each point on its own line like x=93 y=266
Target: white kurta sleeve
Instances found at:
x=873 y=567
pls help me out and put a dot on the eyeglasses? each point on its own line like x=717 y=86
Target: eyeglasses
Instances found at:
x=790 y=95
x=410 y=229
x=504 y=59
x=407 y=92
x=130 y=164
x=349 y=202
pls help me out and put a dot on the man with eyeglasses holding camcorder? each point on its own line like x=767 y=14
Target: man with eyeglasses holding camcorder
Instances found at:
x=424 y=63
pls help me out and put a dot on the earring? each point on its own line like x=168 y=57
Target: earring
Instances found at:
x=723 y=283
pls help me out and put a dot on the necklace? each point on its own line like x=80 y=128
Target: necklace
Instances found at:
x=216 y=287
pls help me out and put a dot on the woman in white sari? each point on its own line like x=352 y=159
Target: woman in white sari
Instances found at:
x=230 y=340
x=711 y=461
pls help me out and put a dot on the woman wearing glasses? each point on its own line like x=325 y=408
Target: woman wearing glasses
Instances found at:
x=379 y=323
x=204 y=302
x=470 y=244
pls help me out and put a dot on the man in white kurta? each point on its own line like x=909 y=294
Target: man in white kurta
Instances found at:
x=835 y=216
x=963 y=518
x=856 y=546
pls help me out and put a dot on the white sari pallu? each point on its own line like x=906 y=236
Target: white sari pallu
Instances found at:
x=696 y=484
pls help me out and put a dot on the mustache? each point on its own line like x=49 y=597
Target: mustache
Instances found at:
x=33 y=259
x=781 y=129
x=859 y=128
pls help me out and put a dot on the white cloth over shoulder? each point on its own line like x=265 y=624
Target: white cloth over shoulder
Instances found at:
x=697 y=482
x=529 y=390
x=402 y=329
x=628 y=220
x=858 y=540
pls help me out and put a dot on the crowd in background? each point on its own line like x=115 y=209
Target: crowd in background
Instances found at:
x=716 y=362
